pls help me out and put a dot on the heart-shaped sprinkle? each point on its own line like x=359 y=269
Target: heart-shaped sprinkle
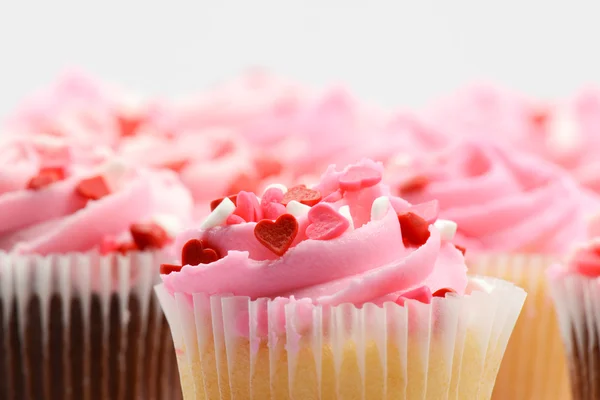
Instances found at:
x=302 y=195
x=297 y=209
x=272 y=195
x=219 y=215
x=279 y=186
x=194 y=252
x=215 y=203
x=359 y=177
x=461 y=249
x=442 y=292
x=277 y=235
x=413 y=184
x=325 y=223
x=234 y=220
x=380 y=207
x=93 y=188
x=46 y=177
x=149 y=236
x=247 y=207
x=447 y=229
x=166 y=269
x=415 y=230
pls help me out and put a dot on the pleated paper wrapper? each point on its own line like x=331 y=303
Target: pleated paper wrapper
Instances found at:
x=534 y=365
x=577 y=300
x=83 y=326
x=232 y=347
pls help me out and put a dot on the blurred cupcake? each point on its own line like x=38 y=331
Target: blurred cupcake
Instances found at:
x=340 y=290
x=516 y=214
x=574 y=286
x=78 y=245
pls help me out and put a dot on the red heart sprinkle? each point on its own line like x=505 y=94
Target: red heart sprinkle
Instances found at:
x=129 y=125
x=277 y=236
x=415 y=230
x=194 y=252
x=148 y=236
x=325 y=223
x=215 y=203
x=93 y=188
x=358 y=177
x=46 y=177
x=414 y=184
x=176 y=166
x=442 y=292
x=303 y=195
x=166 y=269
x=461 y=249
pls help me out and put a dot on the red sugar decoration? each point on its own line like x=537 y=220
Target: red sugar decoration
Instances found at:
x=149 y=236
x=195 y=252
x=415 y=230
x=461 y=249
x=442 y=292
x=277 y=235
x=166 y=269
x=126 y=247
x=303 y=195
x=414 y=184
x=46 y=177
x=215 y=203
x=93 y=188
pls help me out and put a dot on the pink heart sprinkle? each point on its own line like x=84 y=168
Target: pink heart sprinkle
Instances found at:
x=325 y=223
x=234 y=220
x=359 y=177
x=247 y=207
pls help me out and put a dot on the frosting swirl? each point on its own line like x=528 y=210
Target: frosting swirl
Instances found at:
x=501 y=200
x=349 y=245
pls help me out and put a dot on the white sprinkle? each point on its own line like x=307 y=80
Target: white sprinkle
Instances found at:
x=447 y=228
x=219 y=214
x=379 y=208
x=297 y=209
x=345 y=211
x=170 y=223
x=278 y=186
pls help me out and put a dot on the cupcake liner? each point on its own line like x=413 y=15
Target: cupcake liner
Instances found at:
x=235 y=347
x=577 y=301
x=83 y=326
x=534 y=366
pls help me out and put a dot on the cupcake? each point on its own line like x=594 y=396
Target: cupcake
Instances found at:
x=78 y=245
x=574 y=288
x=340 y=290
x=516 y=214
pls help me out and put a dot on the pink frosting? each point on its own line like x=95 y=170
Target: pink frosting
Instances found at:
x=502 y=200
x=366 y=263
x=55 y=219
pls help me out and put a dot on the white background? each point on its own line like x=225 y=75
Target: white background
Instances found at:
x=395 y=52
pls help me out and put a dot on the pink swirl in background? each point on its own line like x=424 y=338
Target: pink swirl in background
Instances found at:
x=366 y=263
x=502 y=200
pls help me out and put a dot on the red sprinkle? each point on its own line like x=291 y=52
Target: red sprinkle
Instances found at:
x=461 y=249
x=128 y=126
x=166 y=269
x=46 y=177
x=215 y=203
x=415 y=230
x=195 y=252
x=277 y=235
x=126 y=247
x=442 y=292
x=149 y=236
x=93 y=188
x=302 y=194
x=414 y=184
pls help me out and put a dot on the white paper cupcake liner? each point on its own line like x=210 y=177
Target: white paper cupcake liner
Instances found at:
x=232 y=347
x=577 y=301
x=83 y=326
x=534 y=365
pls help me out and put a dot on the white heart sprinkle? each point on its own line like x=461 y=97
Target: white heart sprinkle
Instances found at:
x=345 y=212
x=297 y=209
x=379 y=208
x=447 y=228
x=219 y=214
